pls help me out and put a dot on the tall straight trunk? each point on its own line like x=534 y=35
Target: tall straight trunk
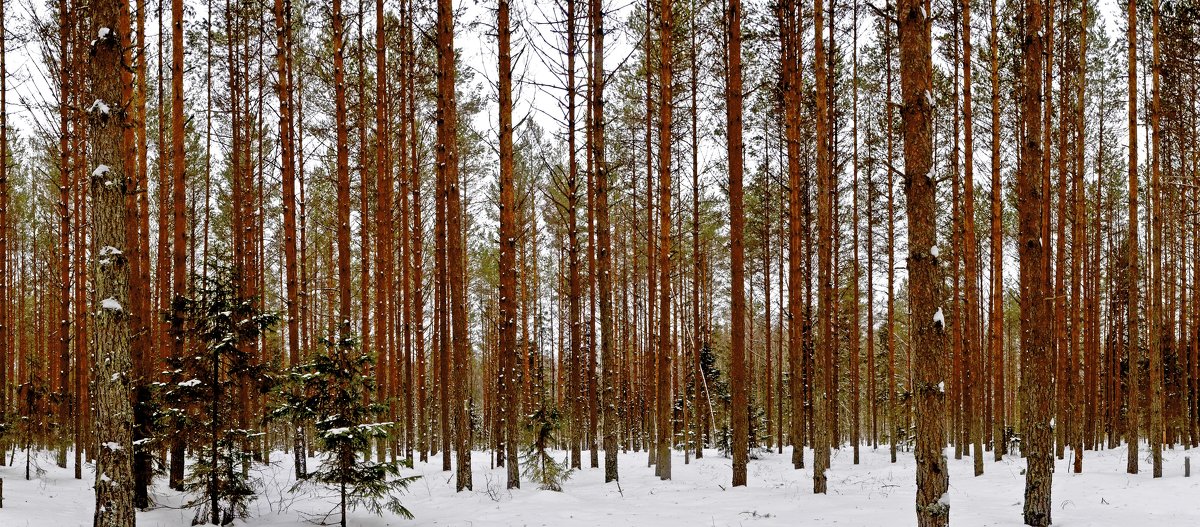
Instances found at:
x=345 y=306
x=608 y=354
x=384 y=237
x=111 y=89
x=82 y=339
x=1131 y=314
x=163 y=263
x=823 y=365
x=1036 y=335
x=416 y=239
x=593 y=393
x=924 y=288
x=737 y=281
x=1081 y=327
x=574 y=354
x=1156 y=431
x=700 y=387
x=5 y=330
x=65 y=173
x=138 y=225
x=872 y=389
x=893 y=421
x=178 y=199
x=973 y=385
x=790 y=58
x=666 y=28
x=855 y=320
x=447 y=162
x=509 y=354
x=283 y=42
x=1062 y=383
x=366 y=339
x=996 y=319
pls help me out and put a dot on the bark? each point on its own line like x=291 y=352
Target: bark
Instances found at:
x=1134 y=363
x=608 y=354
x=1156 y=431
x=1036 y=335
x=509 y=354
x=666 y=28
x=283 y=17
x=972 y=385
x=111 y=90
x=574 y=355
x=790 y=57
x=893 y=421
x=737 y=284
x=928 y=324
x=855 y=330
x=178 y=198
x=5 y=330
x=447 y=163
x=996 y=319
x=823 y=401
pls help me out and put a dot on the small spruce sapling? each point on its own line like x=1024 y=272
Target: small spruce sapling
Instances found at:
x=539 y=466
x=201 y=401
x=329 y=392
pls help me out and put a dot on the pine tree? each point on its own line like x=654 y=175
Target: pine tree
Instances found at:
x=924 y=288
x=1036 y=351
x=111 y=88
x=737 y=358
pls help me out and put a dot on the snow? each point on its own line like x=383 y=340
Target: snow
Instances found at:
x=874 y=493
x=98 y=106
x=109 y=445
x=934 y=251
x=190 y=382
x=104 y=33
x=101 y=170
x=939 y=318
x=110 y=304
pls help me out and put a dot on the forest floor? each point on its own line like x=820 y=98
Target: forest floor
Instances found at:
x=872 y=493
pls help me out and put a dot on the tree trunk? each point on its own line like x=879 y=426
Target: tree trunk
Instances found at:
x=447 y=162
x=973 y=385
x=1036 y=336
x=925 y=295
x=666 y=26
x=1131 y=412
x=1155 y=434
x=510 y=413
x=823 y=401
x=996 y=319
x=111 y=89
x=737 y=283
x=608 y=353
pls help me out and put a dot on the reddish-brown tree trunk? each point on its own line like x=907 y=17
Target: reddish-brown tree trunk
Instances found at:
x=737 y=356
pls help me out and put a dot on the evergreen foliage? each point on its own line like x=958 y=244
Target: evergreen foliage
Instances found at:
x=203 y=402
x=329 y=392
x=541 y=467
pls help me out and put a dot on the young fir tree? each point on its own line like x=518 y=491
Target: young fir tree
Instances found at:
x=332 y=393
x=201 y=402
x=541 y=467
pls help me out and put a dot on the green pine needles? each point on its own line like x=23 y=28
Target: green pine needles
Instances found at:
x=329 y=392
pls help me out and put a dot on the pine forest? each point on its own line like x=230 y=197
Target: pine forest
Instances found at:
x=592 y=262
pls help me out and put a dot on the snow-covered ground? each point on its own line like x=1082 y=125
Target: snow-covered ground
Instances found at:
x=873 y=493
